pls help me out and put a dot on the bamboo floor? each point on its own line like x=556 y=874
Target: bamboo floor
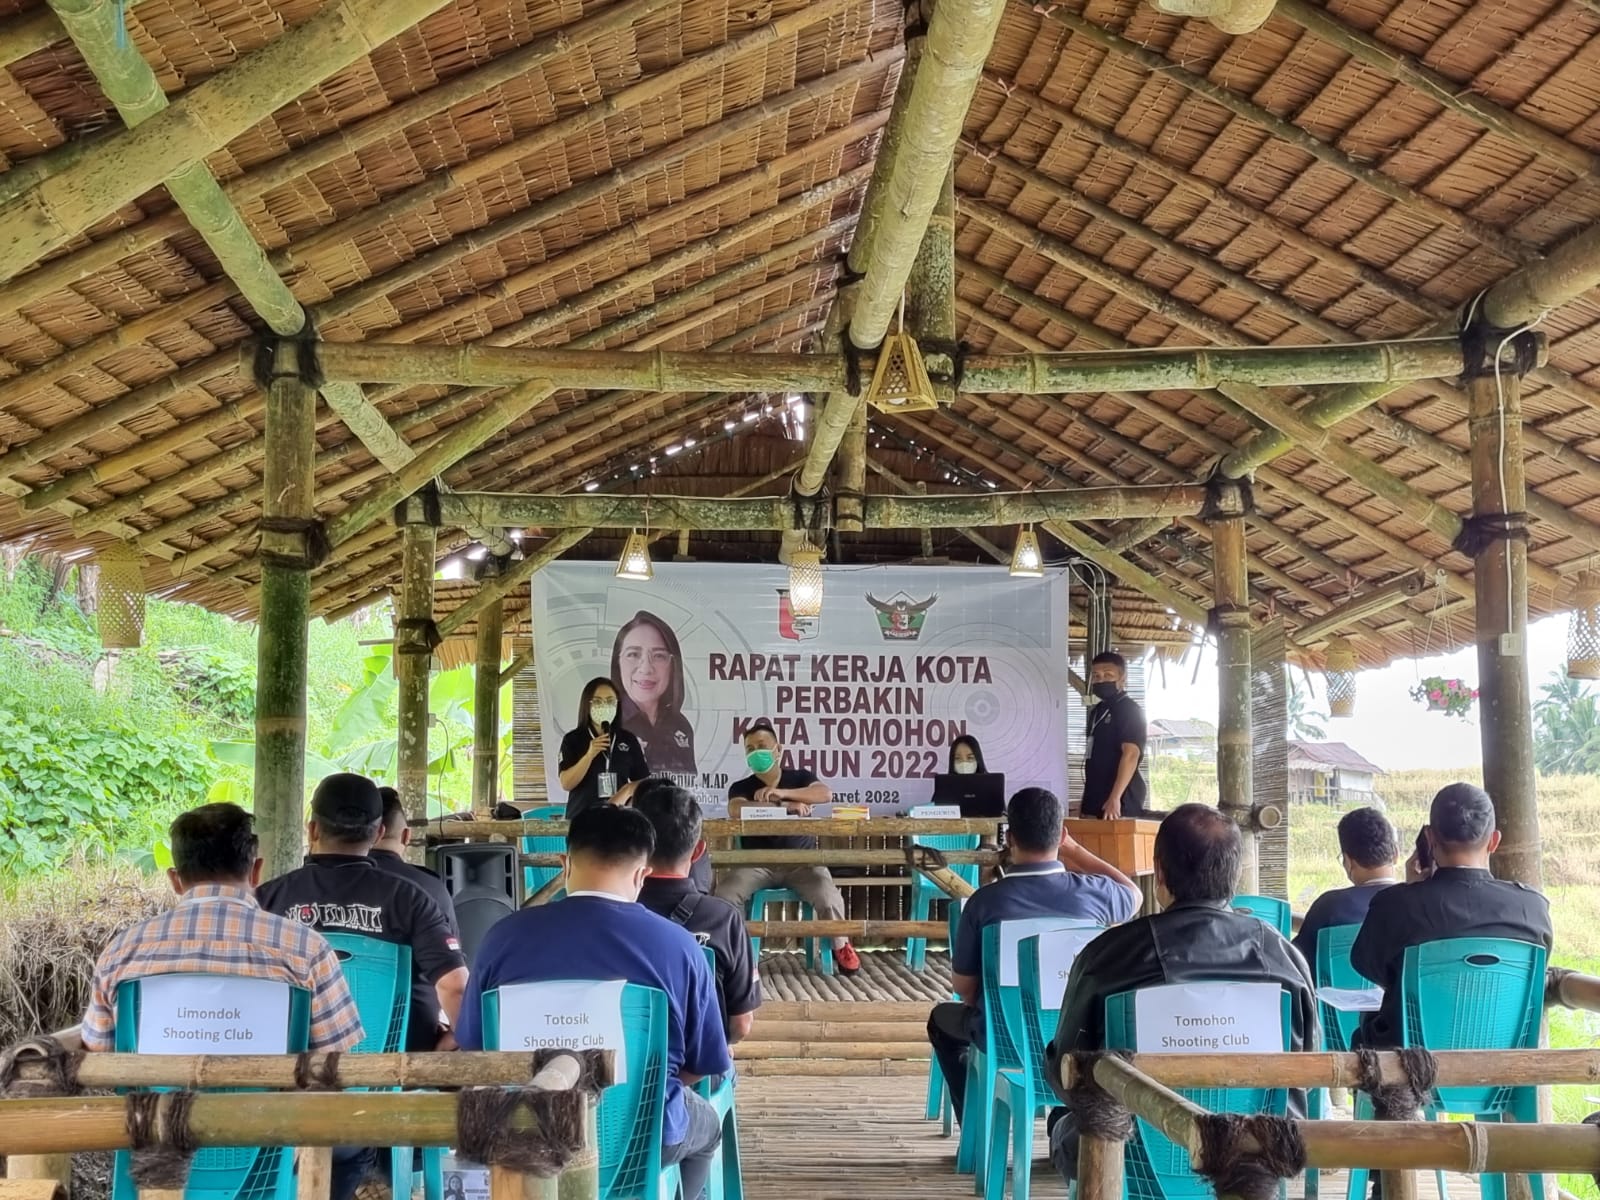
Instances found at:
x=884 y=977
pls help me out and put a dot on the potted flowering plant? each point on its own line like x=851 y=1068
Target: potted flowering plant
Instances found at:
x=1449 y=696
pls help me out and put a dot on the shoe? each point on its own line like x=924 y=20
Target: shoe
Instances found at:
x=847 y=960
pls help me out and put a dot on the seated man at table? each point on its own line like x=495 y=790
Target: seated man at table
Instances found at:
x=1049 y=875
x=772 y=784
x=669 y=891
x=598 y=932
x=1368 y=852
x=1196 y=937
x=1451 y=894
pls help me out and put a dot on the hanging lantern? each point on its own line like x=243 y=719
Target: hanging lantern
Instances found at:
x=634 y=562
x=119 y=605
x=1341 y=668
x=1583 y=630
x=900 y=382
x=1027 y=562
x=805 y=580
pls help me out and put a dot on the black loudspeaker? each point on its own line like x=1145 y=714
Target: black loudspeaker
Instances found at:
x=484 y=880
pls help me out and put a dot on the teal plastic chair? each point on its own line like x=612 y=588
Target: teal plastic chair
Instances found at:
x=1471 y=994
x=1270 y=909
x=379 y=977
x=217 y=1172
x=924 y=892
x=1002 y=1015
x=1156 y=1168
x=939 y=1107
x=628 y=1118
x=756 y=910
x=534 y=878
x=726 y=1181
x=1022 y=1096
x=1333 y=968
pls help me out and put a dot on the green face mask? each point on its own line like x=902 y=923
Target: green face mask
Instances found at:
x=761 y=761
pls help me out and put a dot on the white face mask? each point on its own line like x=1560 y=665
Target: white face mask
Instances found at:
x=969 y=767
x=601 y=713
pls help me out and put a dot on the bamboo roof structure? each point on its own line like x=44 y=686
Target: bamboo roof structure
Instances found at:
x=183 y=177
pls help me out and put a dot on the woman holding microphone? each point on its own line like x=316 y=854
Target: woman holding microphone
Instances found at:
x=600 y=761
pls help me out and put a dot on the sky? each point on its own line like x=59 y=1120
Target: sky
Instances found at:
x=1389 y=727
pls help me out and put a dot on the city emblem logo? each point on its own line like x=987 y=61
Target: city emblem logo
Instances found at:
x=792 y=628
x=900 y=617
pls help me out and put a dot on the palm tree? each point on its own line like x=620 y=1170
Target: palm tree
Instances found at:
x=1567 y=740
x=1304 y=725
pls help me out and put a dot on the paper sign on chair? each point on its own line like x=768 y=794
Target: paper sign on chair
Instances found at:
x=568 y=1015
x=213 y=1014
x=1209 y=1018
x=1058 y=950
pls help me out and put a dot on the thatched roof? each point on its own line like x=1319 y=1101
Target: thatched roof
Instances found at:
x=532 y=174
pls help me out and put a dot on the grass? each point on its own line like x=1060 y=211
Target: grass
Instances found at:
x=1569 y=820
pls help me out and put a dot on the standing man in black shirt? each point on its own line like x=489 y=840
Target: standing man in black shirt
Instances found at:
x=670 y=891
x=341 y=890
x=773 y=784
x=1449 y=895
x=1112 y=785
x=389 y=854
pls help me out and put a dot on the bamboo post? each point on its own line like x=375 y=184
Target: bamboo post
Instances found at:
x=581 y=1178
x=486 y=700
x=1232 y=613
x=506 y=1184
x=1500 y=579
x=281 y=638
x=313 y=1171
x=1100 y=1168
x=51 y=1172
x=16 y=1187
x=931 y=293
x=415 y=637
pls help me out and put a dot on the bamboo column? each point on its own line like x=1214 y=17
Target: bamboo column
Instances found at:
x=415 y=635
x=1500 y=579
x=1100 y=1168
x=486 y=700
x=288 y=494
x=1232 y=621
x=931 y=294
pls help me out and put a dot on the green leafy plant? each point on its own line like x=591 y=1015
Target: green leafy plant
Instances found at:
x=1449 y=696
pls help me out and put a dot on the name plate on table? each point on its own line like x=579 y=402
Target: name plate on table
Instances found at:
x=765 y=812
x=1208 y=1018
x=213 y=1014
x=564 y=1015
x=1058 y=950
x=936 y=812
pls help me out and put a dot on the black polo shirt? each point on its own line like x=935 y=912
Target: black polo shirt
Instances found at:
x=1113 y=724
x=344 y=893
x=747 y=788
x=625 y=758
x=428 y=881
x=715 y=923
x=668 y=743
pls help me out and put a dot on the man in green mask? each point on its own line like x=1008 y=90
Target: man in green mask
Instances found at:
x=771 y=784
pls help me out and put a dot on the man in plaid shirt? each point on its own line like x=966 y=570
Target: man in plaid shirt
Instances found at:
x=216 y=928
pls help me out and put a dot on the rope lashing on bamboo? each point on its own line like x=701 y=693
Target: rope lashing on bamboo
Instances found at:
x=60 y=1067
x=1220 y=503
x=1554 y=979
x=1481 y=345
x=596 y=1068
x=307 y=367
x=485 y=1133
x=1481 y=530
x=1247 y=1156
x=1099 y=1114
x=1397 y=1101
x=313 y=538
x=416 y=635
x=956 y=352
x=324 y=1079
x=161 y=1149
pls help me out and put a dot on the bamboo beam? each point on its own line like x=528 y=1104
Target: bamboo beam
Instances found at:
x=486 y=699
x=977 y=539
x=1314 y=1069
x=203 y=119
x=512 y=579
x=516 y=666
x=413 y=654
x=860 y=930
x=599 y=510
x=820 y=858
x=716 y=827
x=1374 y=600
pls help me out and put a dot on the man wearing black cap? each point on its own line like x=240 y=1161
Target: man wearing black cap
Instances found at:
x=341 y=890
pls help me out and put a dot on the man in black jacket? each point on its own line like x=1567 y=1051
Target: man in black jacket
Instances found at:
x=1451 y=895
x=1196 y=937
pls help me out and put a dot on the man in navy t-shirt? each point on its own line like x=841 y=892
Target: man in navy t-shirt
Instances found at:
x=599 y=932
x=1368 y=851
x=1038 y=883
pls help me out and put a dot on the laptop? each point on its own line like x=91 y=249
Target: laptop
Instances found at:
x=977 y=795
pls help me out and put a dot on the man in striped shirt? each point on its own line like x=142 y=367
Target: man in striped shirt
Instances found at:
x=217 y=928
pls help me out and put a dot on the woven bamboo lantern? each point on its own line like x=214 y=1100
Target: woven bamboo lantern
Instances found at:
x=900 y=383
x=634 y=562
x=805 y=580
x=1583 y=630
x=119 y=591
x=1341 y=668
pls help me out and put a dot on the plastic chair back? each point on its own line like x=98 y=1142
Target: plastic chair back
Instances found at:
x=1002 y=1001
x=1473 y=994
x=1334 y=969
x=628 y=1118
x=1157 y=1168
x=1040 y=998
x=218 y=1172
x=1269 y=909
x=379 y=977
x=947 y=841
x=534 y=878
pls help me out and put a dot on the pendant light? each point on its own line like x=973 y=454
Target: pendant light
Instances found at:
x=634 y=562
x=1027 y=562
x=805 y=580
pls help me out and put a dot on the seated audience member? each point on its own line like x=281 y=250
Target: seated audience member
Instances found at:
x=1038 y=883
x=1368 y=852
x=1452 y=896
x=340 y=889
x=771 y=783
x=388 y=853
x=1196 y=937
x=700 y=871
x=217 y=928
x=669 y=891
x=598 y=932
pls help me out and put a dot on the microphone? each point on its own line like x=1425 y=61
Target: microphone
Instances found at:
x=605 y=726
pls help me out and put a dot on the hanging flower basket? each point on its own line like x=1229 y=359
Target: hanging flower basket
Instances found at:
x=1449 y=696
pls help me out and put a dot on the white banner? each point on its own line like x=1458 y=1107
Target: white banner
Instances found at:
x=868 y=696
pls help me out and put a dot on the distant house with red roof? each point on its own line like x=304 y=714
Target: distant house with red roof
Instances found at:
x=1331 y=773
